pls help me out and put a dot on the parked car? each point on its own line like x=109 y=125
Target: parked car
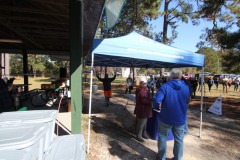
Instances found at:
x=232 y=76
x=166 y=74
x=219 y=76
x=187 y=76
x=206 y=75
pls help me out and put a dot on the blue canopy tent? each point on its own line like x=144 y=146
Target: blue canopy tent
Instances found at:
x=135 y=50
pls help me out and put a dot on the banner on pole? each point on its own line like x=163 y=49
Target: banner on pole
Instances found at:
x=113 y=10
x=216 y=108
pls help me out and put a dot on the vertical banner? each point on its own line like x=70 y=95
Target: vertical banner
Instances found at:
x=216 y=108
x=113 y=10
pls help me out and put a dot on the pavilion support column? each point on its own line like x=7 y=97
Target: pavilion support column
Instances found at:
x=76 y=63
x=1 y=65
x=25 y=69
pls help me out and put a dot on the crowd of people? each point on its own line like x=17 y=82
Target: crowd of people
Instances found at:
x=227 y=83
x=170 y=101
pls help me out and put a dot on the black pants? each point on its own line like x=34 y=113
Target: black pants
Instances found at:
x=128 y=89
x=236 y=86
x=209 y=87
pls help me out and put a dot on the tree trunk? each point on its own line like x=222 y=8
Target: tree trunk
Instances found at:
x=165 y=27
x=165 y=21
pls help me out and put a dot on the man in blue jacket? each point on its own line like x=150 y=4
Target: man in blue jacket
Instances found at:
x=172 y=99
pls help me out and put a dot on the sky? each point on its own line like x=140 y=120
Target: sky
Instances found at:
x=188 y=35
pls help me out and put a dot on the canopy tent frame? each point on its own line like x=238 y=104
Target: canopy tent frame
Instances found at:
x=98 y=58
x=90 y=105
x=135 y=50
x=201 y=106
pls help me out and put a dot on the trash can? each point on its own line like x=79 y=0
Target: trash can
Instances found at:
x=66 y=148
x=152 y=127
x=94 y=88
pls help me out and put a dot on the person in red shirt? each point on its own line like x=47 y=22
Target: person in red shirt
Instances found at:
x=143 y=110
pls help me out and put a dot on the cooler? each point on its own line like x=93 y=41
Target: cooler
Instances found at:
x=15 y=155
x=33 y=117
x=28 y=138
x=69 y=147
x=152 y=127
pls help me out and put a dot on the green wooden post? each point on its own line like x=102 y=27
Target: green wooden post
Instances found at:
x=76 y=63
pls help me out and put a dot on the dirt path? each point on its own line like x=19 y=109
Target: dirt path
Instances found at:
x=113 y=138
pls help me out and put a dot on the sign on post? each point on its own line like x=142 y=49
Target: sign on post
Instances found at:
x=216 y=108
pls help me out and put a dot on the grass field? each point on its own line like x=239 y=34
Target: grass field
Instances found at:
x=34 y=82
x=120 y=82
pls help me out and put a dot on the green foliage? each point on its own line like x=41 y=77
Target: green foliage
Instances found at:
x=210 y=37
x=16 y=64
x=173 y=13
x=222 y=10
x=211 y=9
x=39 y=65
x=231 y=62
x=51 y=69
x=211 y=59
x=190 y=70
x=36 y=63
x=229 y=40
x=135 y=16
x=231 y=57
x=230 y=47
x=219 y=12
x=225 y=13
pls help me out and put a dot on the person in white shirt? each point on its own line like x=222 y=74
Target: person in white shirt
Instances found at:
x=236 y=83
x=129 y=85
x=225 y=84
x=151 y=85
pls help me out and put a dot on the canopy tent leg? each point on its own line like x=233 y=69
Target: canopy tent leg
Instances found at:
x=90 y=105
x=201 y=108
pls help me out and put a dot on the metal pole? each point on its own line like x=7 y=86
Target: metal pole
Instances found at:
x=201 y=108
x=90 y=104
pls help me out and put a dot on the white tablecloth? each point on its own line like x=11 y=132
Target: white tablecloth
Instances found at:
x=130 y=97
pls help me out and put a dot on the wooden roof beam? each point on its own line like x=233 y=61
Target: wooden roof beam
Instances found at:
x=21 y=36
x=42 y=27
x=58 y=2
x=31 y=11
x=33 y=20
